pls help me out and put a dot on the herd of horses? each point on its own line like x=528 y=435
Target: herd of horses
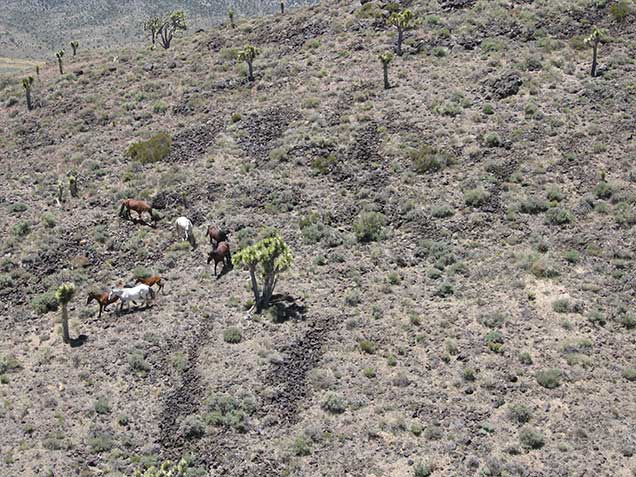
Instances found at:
x=142 y=291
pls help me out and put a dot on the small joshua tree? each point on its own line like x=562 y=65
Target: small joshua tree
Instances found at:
x=247 y=55
x=172 y=23
x=37 y=70
x=64 y=295
x=27 y=84
x=60 y=55
x=167 y=469
x=75 y=45
x=282 y=7
x=230 y=14
x=401 y=20
x=152 y=26
x=270 y=257
x=386 y=58
x=594 y=39
x=72 y=185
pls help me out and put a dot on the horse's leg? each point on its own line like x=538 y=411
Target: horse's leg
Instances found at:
x=100 y=311
x=215 y=264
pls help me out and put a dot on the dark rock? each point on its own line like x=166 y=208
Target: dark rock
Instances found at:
x=504 y=86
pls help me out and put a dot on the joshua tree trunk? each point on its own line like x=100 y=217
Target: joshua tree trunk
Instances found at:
x=594 y=58
x=282 y=8
x=166 y=39
x=398 y=45
x=74 y=50
x=250 y=75
x=386 y=76
x=28 y=100
x=268 y=291
x=257 y=297
x=59 y=63
x=65 y=334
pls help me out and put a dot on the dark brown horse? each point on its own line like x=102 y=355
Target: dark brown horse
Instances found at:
x=102 y=299
x=154 y=280
x=221 y=254
x=217 y=235
x=138 y=206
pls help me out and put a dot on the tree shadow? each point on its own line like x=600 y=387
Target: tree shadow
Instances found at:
x=79 y=341
x=284 y=308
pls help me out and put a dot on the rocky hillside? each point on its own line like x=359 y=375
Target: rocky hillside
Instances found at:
x=37 y=28
x=462 y=297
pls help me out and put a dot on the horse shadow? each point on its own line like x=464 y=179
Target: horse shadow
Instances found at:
x=225 y=270
x=138 y=221
x=285 y=308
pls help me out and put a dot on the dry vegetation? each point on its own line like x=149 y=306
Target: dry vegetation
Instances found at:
x=462 y=298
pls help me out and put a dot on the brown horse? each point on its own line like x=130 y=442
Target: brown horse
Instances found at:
x=217 y=235
x=138 y=206
x=101 y=298
x=154 y=280
x=221 y=254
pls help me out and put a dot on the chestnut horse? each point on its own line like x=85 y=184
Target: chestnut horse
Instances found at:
x=103 y=299
x=221 y=253
x=217 y=235
x=154 y=280
x=138 y=206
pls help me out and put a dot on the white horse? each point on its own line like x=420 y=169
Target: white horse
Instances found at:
x=137 y=293
x=184 y=227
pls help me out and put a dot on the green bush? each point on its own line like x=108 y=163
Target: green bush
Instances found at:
x=154 y=149
x=559 y=216
x=22 y=229
x=442 y=211
x=423 y=470
x=102 y=406
x=603 y=190
x=138 y=363
x=45 y=302
x=476 y=197
x=229 y=411
x=333 y=404
x=621 y=10
x=6 y=281
x=549 y=378
x=369 y=227
x=232 y=335
x=192 y=427
x=301 y=447
x=367 y=346
x=429 y=159
x=629 y=373
x=141 y=272
x=8 y=364
x=520 y=413
x=492 y=139
x=532 y=205
x=572 y=256
x=160 y=107
x=531 y=438
x=18 y=208
x=323 y=165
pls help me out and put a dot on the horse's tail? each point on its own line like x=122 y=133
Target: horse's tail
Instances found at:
x=123 y=206
x=152 y=293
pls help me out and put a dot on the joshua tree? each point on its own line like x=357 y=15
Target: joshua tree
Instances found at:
x=282 y=7
x=64 y=295
x=75 y=45
x=152 y=26
x=230 y=13
x=270 y=257
x=402 y=22
x=60 y=55
x=594 y=39
x=72 y=185
x=173 y=22
x=167 y=469
x=386 y=58
x=37 y=70
x=60 y=192
x=27 y=84
x=247 y=55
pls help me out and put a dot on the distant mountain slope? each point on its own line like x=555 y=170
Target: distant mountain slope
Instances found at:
x=35 y=28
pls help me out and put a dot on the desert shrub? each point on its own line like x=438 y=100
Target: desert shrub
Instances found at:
x=476 y=197
x=141 y=272
x=353 y=297
x=629 y=373
x=49 y=220
x=519 y=413
x=235 y=118
x=541 y=266
x=138 y=363
x=563 y=305
x=492 y=139
x=549 y=378
x=596 y=317
x=627 y=320
x=323 y=164
x=367 y=346
x=625 y=214
x=229 y=411
x=554 y=194
x=6 y=281
x=559 y=216
x=192 y=427
x=417 y=429
x=423 y=470
x=333 y=404
x=369 y=373
x=469 y=375
x=8 y=363
x=494 y=341
x=101 y=442
x=531 y=438
x=310 y=103
x=17 y=208
x=603 y=190
x=101 y=406
x=492 y=320
x=621 y=10
x=369 y=227
x=488 y=109
x=572 y=256
x=21 y=229
x=429 y=159
x=45 y=302
x=532 y=205
x=154 y=149
x=232 y=335
x=160 y=107
x=301 y=446
x=442 y=211
x=525 y=358
x=444 y=290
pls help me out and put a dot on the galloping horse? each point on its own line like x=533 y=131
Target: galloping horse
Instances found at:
x=138 y=206
x=104 y=299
